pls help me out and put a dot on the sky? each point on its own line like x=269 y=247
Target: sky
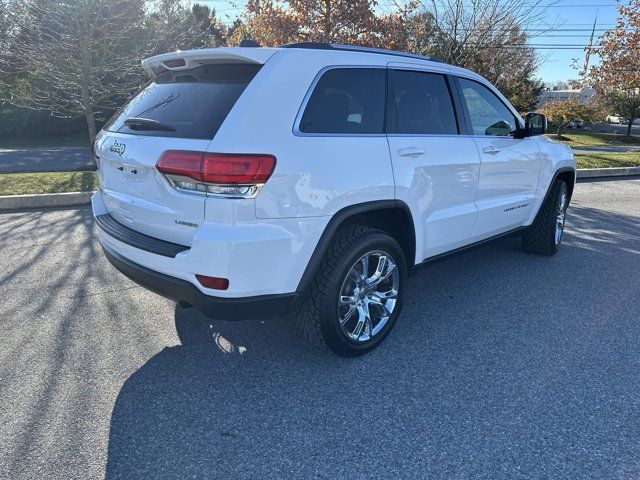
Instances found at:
x=573 y=19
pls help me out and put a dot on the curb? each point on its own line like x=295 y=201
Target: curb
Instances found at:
x=71 y=199
x=14 y=202
x=608 y=172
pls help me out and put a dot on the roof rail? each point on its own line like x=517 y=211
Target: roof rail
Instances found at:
x=356 y=48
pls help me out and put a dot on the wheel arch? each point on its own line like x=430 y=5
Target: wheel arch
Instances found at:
x=568 y=174
x=392 y=216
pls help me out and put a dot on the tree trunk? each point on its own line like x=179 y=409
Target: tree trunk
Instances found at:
x=559 y=132
x=91 y=123
x=327 y=21
x=85 y=85
x=87 y=107
x=629 y=126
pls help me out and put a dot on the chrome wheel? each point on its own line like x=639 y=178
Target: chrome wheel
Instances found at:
x=561 y=215
x=368 y=296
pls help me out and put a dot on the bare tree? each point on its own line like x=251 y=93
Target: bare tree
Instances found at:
x=72 y=57
x=487 y=36
x=178 y=25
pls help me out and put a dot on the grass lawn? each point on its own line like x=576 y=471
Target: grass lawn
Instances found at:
x=71 y=140
x=577 y=138
x=607 y=159
x=51 y=182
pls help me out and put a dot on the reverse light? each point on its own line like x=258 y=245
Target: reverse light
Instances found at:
x=215 y=283
x=217 y=174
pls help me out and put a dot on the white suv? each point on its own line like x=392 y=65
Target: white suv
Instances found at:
x=312 y=178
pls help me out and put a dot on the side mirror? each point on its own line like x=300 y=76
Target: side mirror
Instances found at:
x=535 y=124
x=500 y=128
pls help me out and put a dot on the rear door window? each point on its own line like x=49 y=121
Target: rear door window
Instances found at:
x=420 y=104
x=346 y=101
x=188 y=103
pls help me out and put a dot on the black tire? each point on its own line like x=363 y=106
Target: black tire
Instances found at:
x=540 y=238
x=318 y=313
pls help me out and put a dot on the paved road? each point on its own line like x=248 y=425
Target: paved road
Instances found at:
x=615 y=128
x=55 y=159
x=503 y=365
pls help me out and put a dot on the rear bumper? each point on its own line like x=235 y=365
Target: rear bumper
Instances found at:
x=259 y=257
x=258 y=307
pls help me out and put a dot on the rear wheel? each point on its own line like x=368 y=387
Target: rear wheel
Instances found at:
x=545 y=235
x=356 y=296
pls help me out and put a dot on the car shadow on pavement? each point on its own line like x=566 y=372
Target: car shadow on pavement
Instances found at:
x=500 y=362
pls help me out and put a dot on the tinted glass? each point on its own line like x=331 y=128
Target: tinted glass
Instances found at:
x=421 y=104
x=489 y=116
x=346 y=100
x=193 y=102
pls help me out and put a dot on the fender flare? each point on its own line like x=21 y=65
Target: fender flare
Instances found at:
x=553 y=179
x=337 y=220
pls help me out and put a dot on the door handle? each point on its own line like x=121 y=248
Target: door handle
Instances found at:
x=491 y=150
x=411 y=152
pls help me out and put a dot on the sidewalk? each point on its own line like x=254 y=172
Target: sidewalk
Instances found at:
x=607 y=149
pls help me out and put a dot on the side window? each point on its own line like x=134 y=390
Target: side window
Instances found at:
x=489 y=116
x=346 y=100
x=421 y=103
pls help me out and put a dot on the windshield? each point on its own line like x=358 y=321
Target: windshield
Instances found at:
x=188 y=104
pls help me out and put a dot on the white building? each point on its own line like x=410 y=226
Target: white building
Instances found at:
x=583 y=95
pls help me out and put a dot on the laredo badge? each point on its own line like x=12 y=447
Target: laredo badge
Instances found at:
x=117 y=147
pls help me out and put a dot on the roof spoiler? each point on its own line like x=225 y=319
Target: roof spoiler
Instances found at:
x=188 y=59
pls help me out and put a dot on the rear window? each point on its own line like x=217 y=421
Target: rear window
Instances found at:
x=192 y=102
x=346 y=100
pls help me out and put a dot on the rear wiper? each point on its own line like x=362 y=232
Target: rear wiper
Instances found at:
x=139 y=123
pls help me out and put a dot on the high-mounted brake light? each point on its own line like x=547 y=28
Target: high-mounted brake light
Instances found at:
x=178 y=62
x=218 y=174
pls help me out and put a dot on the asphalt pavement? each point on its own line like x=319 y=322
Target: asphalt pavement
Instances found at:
x=53 y=159
x=502 y=365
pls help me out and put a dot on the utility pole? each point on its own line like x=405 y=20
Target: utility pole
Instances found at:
x=589 y=47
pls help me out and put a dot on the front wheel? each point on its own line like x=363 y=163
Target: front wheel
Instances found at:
x=545 y=235
x=355 y=298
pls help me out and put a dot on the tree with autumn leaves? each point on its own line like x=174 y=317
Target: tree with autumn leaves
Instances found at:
x=617 y=77
x=273 y=23
x=487 y=36
x=561 y=112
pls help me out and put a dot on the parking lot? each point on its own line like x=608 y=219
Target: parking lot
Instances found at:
x=502 y=365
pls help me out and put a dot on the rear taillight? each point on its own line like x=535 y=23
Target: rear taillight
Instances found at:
x=219 y=174
x=237 y=169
